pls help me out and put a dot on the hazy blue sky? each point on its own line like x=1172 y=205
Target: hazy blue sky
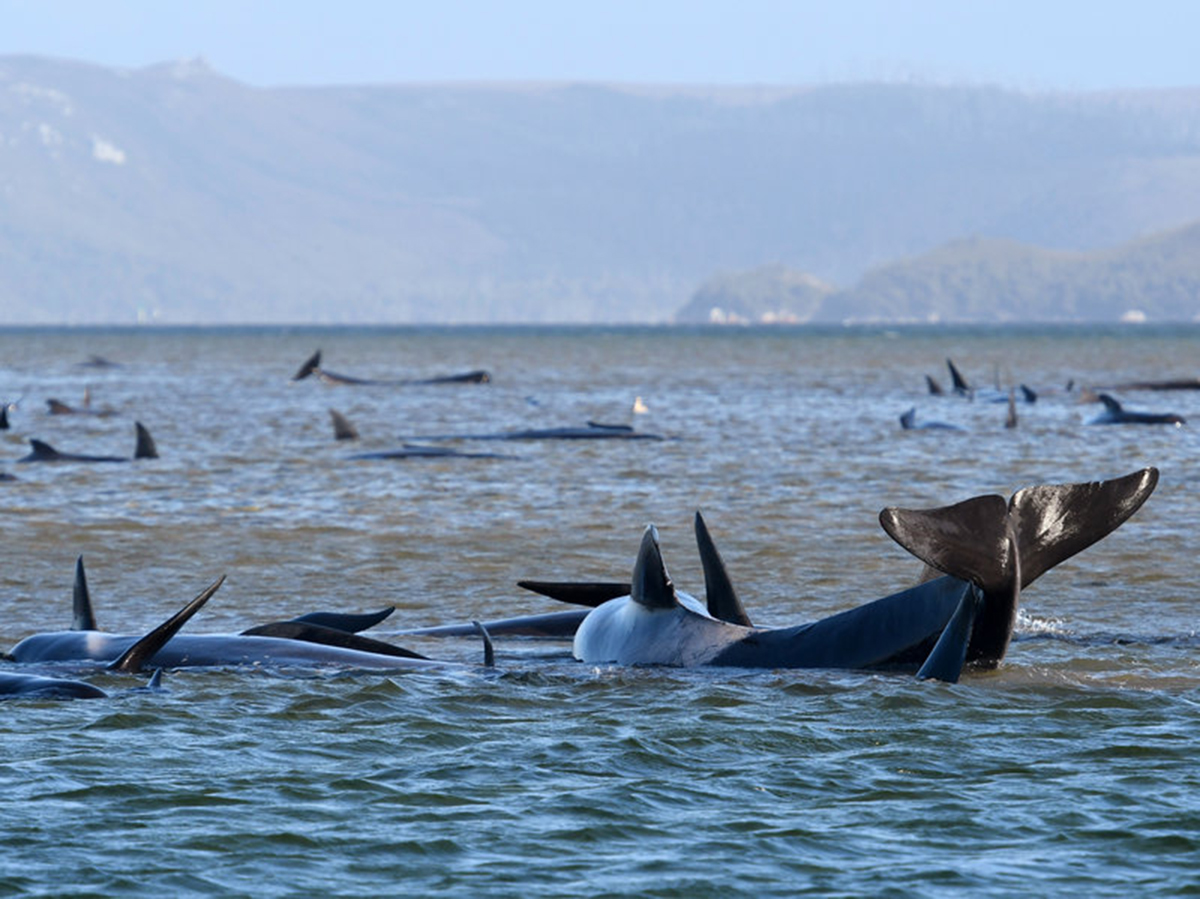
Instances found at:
x=1040 y=44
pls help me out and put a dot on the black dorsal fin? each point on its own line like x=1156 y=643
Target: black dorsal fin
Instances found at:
x=1052 y=522
x=1110 y=403
x=144 y=649
x=342 y=429
x=310 y=365
x=3 y=416
x=83 y=618
x=723 y=603
x=960 y=383
x=145 y=443
x=489 y=651
x=651 y=586
x=908 y=420
x=41 y=452
x=945 y=661
x=1011 y=420
x=935 y=389
x=350 y=623
x=969 y=540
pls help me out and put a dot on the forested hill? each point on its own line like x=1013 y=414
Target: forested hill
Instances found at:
x=978 y=280
x=174 y=194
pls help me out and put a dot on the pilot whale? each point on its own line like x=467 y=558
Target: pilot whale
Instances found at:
x=982 y=553
x=1116 y=414
x=44 y=452
x=312 y=366
x=296 y=644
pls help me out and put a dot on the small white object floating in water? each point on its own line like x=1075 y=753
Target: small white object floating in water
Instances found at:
x=639 y=408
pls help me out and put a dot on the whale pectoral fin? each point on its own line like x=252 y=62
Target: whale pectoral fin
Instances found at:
x=83 y=617
x=945 y=661
x=145 y=443
x=578 y=593
x=144 y=649
x=723 y=603
x=1052 y=522
x=969 y=540
x=313 y=363
x=651 y=586
x=351 y=624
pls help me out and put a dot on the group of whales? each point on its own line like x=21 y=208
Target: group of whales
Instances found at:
x=1114 y=411
x=145 y=448
x=979 y=555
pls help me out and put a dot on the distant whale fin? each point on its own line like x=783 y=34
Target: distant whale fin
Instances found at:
x=935 y=389
x=342 y=429
x=144 y=649
x=351 y=624
x=960 y=383
x=945 y=661
x=1011 y=420
x=54 y=407
x=1029 y=393
x=83 y=618
x=313 y=363
x=651 y=586
x=145 y=443
x=3 y=416
x=578 y=593
x=970 y=540
x=1110 y=403
x=42 y=452
x=1053 y=522
x=908 y=420
x=155 y=682
x=307 y=632
x=723 y=603
x=489 y=651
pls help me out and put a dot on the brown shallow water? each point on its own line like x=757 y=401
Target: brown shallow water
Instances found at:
x=1071 y=768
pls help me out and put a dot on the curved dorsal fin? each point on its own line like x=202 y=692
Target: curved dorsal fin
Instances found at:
x=313 y=363
x=83 y=618
x=41 y=452
x=145 y=443
x=1110 y=403
x=349 y=623
x=651 y=586
x=307 y=632
x=723 y=603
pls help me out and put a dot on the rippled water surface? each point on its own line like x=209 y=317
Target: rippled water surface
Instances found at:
x=1071 y=769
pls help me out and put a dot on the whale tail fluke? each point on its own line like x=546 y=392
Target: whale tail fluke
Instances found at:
x=83 y=618
x=1053 y=522
x=348 y=622
x=145 y=649
x=145 y=448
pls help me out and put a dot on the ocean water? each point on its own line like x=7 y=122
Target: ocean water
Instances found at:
x=1070 y=769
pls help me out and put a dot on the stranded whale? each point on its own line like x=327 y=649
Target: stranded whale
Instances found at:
x=985 y=549
x=304 y=645
x=44 y=452
x=312 y=366
x=1115 y=414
